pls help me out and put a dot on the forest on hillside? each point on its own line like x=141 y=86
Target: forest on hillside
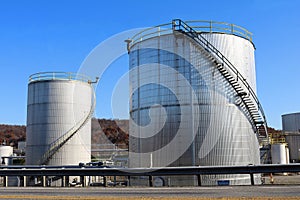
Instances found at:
x=103 y=131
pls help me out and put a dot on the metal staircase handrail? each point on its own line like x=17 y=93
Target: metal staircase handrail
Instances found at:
x=177 y=24
x=57 y=144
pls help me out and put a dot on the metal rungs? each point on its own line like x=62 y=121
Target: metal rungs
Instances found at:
x=261 y=122
x=227 y=76
x=222 y=70
x=256 y=118
x=253 y=112
x=232 y=80
x=252 y=106
x=233 y=83
x=225 y=72
x=236 y=85
x=256 y=114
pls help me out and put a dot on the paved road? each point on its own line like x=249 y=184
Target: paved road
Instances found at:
x=212 y=192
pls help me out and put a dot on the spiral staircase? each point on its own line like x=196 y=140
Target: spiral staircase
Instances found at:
x=61 y=141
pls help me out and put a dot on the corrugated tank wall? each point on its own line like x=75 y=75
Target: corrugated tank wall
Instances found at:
x=291 y=127
x=239 y=51
x=54 y=108
x=291 y=122
x=224 y=135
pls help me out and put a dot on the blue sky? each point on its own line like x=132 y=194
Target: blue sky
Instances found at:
x=38 y=36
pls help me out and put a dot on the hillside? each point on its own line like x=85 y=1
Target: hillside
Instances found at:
x=110 y=131
x=103 y=131
x=11 y=134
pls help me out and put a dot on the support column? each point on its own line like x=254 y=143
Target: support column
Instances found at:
x=252 y=178
x=68 y=181
x=44 y=181
x=104 y=181
x=82 y=181
x=24 y=181
x=63 y=181
x=5 y=181
x=150 y=181
x=128 y=181
x=199 y=179
x=115 y=181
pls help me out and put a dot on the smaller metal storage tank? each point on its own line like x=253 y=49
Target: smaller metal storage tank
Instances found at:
x=59 y=111
x=291 y=130
x=279 y=154
x=6 y=151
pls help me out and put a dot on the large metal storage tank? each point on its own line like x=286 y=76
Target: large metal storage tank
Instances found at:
x=178 y=94
x=291 y=130
x=59 y=110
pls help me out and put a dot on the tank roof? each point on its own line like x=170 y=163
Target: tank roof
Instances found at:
x=49 y=76
x=201 y=26
x=295 y=113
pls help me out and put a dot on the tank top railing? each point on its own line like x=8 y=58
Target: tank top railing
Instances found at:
x=61 y=141
x=46 y=76
x=220 y=27
x=254 y=108
x=199 y=26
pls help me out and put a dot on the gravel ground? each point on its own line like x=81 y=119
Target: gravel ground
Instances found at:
x=280 y=179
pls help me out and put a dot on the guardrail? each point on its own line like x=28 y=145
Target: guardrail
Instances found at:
x=166 y=171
